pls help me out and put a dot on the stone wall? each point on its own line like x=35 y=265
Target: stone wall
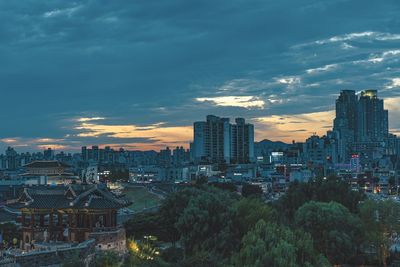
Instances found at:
x=55 y=256
x=110 y=240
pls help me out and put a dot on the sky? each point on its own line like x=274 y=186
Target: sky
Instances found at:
x=137 y=74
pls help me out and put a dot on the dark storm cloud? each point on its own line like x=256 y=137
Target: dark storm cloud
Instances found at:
x=139 y=63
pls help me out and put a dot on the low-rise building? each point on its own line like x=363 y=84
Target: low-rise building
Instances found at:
x=48 y=172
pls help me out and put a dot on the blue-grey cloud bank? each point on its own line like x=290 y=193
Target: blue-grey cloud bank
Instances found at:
x=138 y=73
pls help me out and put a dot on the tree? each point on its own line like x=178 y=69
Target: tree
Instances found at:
x=73 y=261
x=392 y=185
x=201 y=180
x=336 y=232
x=10 y=232
x=337 y=190
x=249 y=190
x=176 y=205
x=107 y=259
x=206 y=222
x=172 y=255
x=149 y=224
x=225 y=186
x=143 y=254
x=278 y=246
x=380 y=220
x=296 y=195
x=201 y=258
x=392 y=181
x=116 y=175
x=248 y=211
x=331 y=189
x=172 y=208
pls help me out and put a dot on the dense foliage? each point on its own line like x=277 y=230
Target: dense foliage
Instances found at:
x=107 y=259
x=118 y=175
x=381 y=220
x=322 y=190
x=321 y=223
x=273 y=245
x=250 y=190
x=336 y=232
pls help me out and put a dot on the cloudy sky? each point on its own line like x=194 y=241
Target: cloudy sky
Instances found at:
x=138 y=73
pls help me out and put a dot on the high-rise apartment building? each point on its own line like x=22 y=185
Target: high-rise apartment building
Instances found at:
x=359 y=120
x=218 y=141
x=242 y=142
x=372 y=119
x=180 y=156
x=165 y=157
x=212 y=140
x=48 y=154
x=11 y=159
x=199 y=142
x=346 y=112
x=345 y=123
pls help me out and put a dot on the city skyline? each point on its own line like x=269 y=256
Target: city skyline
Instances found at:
x=200 y=133
x=307 y=120
x=138 y=75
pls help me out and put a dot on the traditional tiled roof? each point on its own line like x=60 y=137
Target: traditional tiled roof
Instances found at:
x=64 y=174
x=72 y=196
x=47 y=164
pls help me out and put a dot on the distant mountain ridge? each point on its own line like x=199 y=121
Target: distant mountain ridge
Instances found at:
x=271 y=144
x=266 y=146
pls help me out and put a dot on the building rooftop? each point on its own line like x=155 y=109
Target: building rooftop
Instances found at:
x=47 y=164
x=63 y=174
x=73 y=196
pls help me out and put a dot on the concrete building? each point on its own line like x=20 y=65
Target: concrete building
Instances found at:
x=301 y=175
x=218 y=141
x=361 y=126
x=212 y=140
x=145 y=174
x=180 y=156
x=372 y=118
x=241 y=172
x=48 y=154
x=242 y=142
x=165 y=157
x=345 y=122
x=314 y=150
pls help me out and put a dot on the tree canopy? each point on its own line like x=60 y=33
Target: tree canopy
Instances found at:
x=336 y=232
x=380 y=220
x=320 y=223
x=273 y=245
x=322 y=190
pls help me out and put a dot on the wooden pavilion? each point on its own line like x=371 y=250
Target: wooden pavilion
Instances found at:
x=68 y=213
